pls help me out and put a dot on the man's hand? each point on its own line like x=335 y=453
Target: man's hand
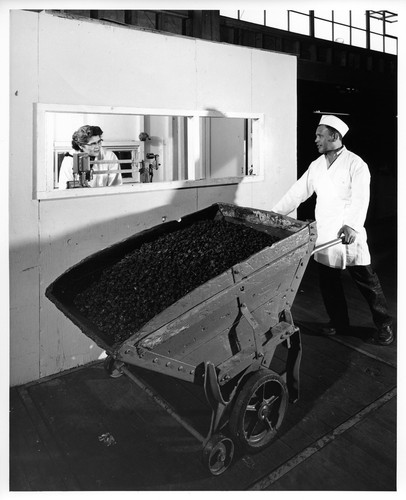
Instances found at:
x=349 y=234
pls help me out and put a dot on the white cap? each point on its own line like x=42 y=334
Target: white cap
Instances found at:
x=333 y=121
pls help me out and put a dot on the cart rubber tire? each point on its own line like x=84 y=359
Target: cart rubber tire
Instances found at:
x=258 y=411
x=113 y=367
x=218 y=454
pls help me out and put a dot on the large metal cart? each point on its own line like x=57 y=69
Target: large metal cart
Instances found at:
x=222 y=335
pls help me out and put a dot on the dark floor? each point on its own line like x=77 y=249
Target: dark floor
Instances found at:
x=85 y=431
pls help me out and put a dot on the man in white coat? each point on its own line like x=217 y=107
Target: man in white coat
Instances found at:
x=340 y=180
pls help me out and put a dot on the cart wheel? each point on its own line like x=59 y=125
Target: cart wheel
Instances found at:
x=113 y=367
x=259 y=410
x=218 y=454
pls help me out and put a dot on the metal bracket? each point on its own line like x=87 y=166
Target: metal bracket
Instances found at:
x=163 y=364
x=254 y=325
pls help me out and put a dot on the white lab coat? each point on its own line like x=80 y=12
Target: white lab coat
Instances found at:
x=342 y=199
x=99 y=180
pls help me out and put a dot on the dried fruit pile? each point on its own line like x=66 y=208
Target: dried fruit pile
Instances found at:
x=160 y=272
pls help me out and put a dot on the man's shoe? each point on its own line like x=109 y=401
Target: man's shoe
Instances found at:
x=384 y=336
x=330 y=330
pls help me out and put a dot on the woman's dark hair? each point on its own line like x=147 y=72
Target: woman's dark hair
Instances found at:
x=83 y=134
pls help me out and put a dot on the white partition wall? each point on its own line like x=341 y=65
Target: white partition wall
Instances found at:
x=85 y=63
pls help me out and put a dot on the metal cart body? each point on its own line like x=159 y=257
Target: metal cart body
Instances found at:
x=223 y=334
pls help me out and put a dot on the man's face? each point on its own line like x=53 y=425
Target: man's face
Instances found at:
x=324 y=140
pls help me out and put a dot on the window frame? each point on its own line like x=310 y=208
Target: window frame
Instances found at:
x=43 y=186
x=353 y=23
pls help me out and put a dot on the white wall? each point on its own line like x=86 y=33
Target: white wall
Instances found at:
x=130 y=68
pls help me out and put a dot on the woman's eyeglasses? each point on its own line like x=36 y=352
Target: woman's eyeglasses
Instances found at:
x=93 y=144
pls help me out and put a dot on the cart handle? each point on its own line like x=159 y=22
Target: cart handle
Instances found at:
x=328 y=244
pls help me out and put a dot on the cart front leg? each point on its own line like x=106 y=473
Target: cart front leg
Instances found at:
x=214 y=397
x=293 y=366
x=218 y=449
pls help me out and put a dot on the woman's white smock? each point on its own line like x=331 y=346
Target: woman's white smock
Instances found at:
x=342 y=199
x=99 y=180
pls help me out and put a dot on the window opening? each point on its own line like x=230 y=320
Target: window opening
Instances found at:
x=193 y=146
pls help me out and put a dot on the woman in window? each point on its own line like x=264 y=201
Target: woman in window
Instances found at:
x=88 y=140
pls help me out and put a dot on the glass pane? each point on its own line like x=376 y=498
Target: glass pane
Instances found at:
x=299 y=23
x=390 y=46
x=323 y=14
x=252 y=16
x=392 y=28
x=277 y=19
x=134 y=144
x=358 y=38
x=341 y=34
x=376 y=25
x=323 y=29
x=358 y=18
x=376 y=42
x=226 y=153
x=144 y=149
x=342 y=16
